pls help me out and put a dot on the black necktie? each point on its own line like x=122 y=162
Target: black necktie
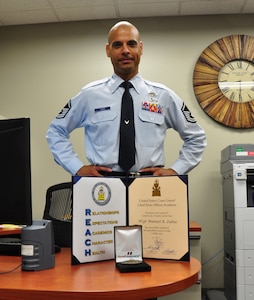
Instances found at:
x=127 y=130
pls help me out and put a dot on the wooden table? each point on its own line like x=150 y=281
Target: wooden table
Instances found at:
x=100 y=280
x=194 y=226
x=9 y=231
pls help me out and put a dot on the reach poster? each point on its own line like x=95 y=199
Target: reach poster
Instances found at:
x=99 y=204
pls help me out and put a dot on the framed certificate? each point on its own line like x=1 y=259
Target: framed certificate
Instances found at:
x=160 y=205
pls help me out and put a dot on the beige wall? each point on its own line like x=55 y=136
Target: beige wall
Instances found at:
x=42 y=66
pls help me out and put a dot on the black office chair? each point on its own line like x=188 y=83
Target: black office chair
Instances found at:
x=58 y=209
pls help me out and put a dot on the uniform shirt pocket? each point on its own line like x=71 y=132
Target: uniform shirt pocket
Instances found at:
x=103 y=128
x=151 y=117
x=153 y=125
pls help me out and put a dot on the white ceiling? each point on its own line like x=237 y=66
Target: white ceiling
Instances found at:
x=17 y=12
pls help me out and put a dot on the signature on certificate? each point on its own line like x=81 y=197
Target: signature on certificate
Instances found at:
x=156 y=246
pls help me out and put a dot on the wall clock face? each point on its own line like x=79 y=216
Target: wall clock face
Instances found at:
x=223 y=81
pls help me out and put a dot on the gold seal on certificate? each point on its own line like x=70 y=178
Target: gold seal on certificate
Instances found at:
x=160 y=205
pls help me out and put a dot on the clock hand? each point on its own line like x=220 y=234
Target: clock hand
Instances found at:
x=240 y=91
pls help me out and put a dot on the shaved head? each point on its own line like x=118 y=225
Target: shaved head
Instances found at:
x=123 y=24
x=124 y=49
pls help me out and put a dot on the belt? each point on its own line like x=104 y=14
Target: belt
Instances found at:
x=125 y=174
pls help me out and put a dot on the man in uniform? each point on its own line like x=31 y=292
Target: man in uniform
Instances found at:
x=97 y=108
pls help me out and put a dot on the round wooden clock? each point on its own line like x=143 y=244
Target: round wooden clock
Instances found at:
x=223 y=81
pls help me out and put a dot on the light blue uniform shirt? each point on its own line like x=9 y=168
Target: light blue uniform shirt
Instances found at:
x=97 y=108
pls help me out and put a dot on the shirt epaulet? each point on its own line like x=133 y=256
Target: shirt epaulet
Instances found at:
x=156 y=84
x=96 y=83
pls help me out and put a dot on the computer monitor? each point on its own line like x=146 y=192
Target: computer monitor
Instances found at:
x=15 y=172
